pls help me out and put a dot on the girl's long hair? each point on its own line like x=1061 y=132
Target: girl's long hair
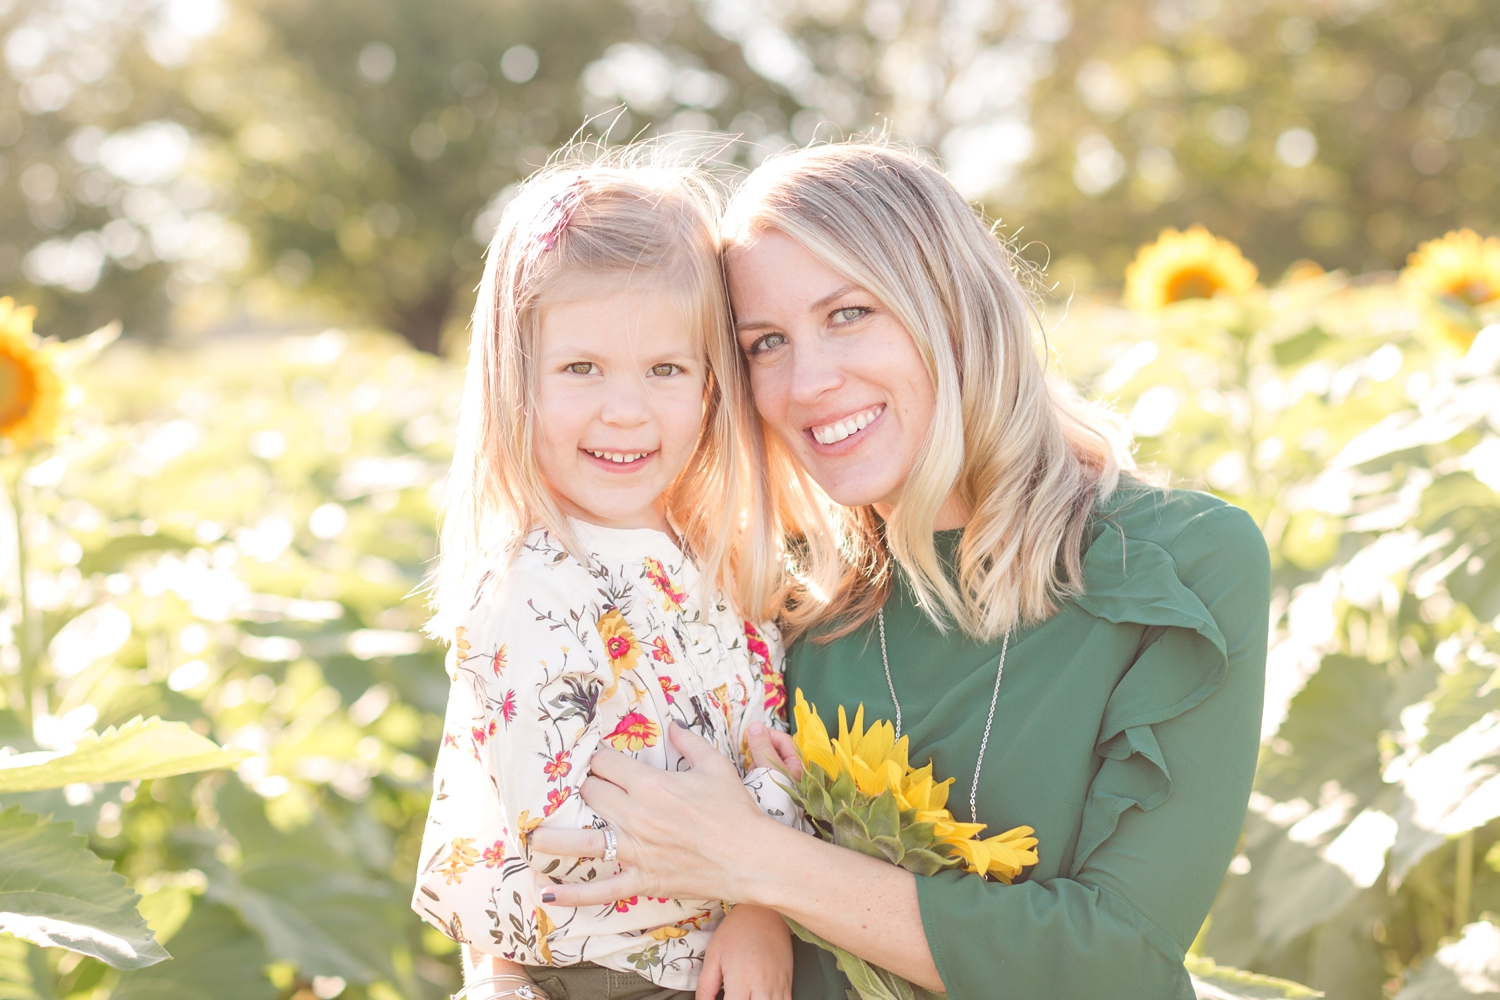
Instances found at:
x=641 y=217
x=1019 y=449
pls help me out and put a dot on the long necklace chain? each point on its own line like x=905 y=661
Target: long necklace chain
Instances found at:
x=989 y=720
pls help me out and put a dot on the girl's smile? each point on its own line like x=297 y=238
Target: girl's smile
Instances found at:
x=619 y=403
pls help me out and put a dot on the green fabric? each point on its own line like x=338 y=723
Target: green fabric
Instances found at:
x=1126 y=733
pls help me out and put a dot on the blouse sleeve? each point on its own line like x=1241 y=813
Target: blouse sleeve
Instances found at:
x=1179 y=742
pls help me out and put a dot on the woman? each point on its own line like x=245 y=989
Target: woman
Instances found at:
x=984 y=550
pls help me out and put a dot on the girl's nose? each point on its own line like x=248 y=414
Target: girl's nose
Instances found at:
x=625 y=404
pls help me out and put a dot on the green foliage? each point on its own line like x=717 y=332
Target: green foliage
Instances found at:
x=140 y=749
x=870 y=981
x=876 y=825
x=1217 y=982
x=56 y=892
x=1335 y=412
x=232 y=542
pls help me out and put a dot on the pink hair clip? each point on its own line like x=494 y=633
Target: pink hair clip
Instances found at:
x=560 y=213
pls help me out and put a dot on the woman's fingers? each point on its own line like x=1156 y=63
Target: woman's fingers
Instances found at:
x=618 y=768
x=701 y=754
x=568 y=843
x=596 y=893
x=787 y=748
x=771 y=748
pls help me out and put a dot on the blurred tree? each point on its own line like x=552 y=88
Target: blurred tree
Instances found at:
x=1345 y=132
x=1342 y=132
x=334 y=154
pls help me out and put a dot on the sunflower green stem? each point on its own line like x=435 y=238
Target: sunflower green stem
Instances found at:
x=27 y=640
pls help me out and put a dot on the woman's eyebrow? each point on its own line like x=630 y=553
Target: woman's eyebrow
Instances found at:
x=817 y=306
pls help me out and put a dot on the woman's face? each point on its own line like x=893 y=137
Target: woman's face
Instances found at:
x=835 y=376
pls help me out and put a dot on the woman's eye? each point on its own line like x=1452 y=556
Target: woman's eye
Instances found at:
x=665 y=370
x=581 y=368
x=769 y=342
x=849 y=314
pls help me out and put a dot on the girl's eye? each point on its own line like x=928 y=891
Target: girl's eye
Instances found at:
x=581 y=368
x=769 y=342
x=849 y=314
x=666 y=369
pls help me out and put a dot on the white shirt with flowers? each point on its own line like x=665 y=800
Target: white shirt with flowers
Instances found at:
x=556 y=659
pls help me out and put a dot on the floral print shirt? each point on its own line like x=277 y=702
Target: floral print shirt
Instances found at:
x=556 y=659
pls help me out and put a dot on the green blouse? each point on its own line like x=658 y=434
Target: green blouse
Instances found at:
x=1126 y=733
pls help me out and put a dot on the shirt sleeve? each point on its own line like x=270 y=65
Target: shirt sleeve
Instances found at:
x=1165 y=810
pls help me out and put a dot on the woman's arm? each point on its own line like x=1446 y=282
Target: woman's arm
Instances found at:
x=737 y=853
x=1117 y=927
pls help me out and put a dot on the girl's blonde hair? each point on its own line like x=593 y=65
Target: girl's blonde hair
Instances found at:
x=640 y=217
x=1020 y=451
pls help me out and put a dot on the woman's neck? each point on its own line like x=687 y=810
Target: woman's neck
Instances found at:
x=952 y=514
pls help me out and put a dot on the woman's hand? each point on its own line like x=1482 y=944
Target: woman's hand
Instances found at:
x=750 y=956
x=694 y=834
x=773 y=748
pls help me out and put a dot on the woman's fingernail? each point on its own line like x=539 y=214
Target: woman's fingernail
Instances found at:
x=549 y=897
x=756 y=728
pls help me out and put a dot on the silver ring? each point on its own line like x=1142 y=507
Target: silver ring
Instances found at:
x=610 y=843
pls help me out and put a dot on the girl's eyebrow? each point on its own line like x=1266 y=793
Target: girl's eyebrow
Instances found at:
x=822 y=303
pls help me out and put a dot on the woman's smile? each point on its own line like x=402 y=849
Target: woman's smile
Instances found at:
x=846 y=432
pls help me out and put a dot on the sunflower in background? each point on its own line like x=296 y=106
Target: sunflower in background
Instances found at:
x=31 y=390
x=1194 y=264
x=1460 y=272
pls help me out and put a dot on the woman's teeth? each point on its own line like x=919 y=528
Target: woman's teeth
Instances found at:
x=620 y=457
x=836 y=432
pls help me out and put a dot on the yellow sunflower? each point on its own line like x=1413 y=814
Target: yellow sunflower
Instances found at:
x=31 y=391
x=1461 y=271
x=1190 y=265
x=1002 y=856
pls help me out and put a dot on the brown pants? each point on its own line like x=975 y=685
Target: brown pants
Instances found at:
x=587 y=981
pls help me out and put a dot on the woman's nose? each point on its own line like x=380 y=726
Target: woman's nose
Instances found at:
x=815 y=370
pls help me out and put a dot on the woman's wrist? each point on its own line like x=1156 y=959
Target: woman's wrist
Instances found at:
x=761 y=876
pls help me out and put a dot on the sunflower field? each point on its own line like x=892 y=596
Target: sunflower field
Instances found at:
x=229 y=539
x=1358 y=420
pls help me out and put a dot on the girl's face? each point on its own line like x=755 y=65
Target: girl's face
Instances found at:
x=619 y=403
x=835 y=376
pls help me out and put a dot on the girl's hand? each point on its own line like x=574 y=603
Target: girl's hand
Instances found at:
x=773 y=748
x=694 y=834
x=750 y=956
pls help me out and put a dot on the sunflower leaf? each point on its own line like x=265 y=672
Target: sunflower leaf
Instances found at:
x=923 y=862
x=55 y=892
x=884 y=819
x=141 y=748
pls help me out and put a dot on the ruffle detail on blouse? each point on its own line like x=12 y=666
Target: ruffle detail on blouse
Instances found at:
x=1133 y=580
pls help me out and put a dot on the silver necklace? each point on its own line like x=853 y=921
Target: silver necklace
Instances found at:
x=989 y=721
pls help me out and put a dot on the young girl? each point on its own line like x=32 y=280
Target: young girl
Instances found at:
x=604 y=555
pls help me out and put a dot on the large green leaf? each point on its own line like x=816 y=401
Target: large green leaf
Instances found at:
x=1218 y=982
x=141 y=748
x=1464 y=970
x=218 y=959
x=313 y=905
x=56 y=892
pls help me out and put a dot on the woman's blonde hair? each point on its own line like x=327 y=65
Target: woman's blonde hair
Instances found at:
x=1019 y=450
x=641 y=217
